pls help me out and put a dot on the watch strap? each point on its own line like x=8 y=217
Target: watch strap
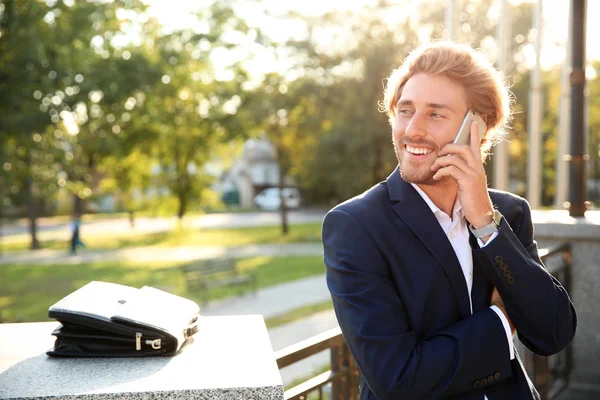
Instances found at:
x=489 y=228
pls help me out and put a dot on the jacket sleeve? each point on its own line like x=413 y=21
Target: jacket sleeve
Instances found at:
x=537 y=304
x=394 y=360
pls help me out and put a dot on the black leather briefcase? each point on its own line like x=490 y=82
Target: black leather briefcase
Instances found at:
x=104 y=319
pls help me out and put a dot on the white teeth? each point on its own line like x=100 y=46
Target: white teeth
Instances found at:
x=418 y=150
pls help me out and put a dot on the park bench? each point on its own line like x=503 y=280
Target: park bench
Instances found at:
x=206 y=274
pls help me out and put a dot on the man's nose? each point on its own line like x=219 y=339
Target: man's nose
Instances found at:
x=416 y=126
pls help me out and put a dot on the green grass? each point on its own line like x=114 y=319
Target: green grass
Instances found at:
x=26 y=291
x=187 y=237
x=298 y=313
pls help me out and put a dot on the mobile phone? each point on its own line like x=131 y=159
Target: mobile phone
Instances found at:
x=464 y=133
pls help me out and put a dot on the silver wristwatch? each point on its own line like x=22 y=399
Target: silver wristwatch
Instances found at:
x=488 y=229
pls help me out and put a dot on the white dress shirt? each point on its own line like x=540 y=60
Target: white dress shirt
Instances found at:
x=457 y=231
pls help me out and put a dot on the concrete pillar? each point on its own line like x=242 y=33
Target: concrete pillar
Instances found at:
x=562 y=165
x=452 y=20
x=534 y=167
x=500 y=156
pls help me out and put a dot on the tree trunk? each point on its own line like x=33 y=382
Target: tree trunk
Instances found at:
x=131 y=218
x=32 y=214
x=182 y=206
x=282 y=207
x=78 y=202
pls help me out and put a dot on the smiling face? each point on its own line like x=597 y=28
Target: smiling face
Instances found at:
x=429 y=113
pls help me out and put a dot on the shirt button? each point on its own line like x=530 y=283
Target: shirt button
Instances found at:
x=452 y=235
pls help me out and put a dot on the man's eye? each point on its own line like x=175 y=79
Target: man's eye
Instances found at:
x=404 y=111
x=436 y=115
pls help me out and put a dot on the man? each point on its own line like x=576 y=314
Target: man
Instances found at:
x=430 y=272
x=76 y=234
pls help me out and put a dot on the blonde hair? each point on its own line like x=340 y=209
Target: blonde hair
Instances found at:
x=486 y=90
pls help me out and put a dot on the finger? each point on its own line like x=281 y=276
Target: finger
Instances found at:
x=475 y=141
x=458 y=162
x=457 y=149
x=452 y=159
x=451 y=171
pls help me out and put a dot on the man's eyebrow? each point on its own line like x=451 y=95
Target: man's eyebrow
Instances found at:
x=429 y=105
x=440 y=105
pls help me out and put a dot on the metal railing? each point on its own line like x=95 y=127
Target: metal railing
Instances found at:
x=343 y=374
x=549 y=374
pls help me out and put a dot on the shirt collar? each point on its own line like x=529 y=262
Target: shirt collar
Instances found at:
x=457 y=209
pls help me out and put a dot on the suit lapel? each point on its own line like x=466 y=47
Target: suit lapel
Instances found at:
x=413 y=210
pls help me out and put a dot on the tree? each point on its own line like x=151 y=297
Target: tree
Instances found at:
x=351 y=140
x=20 y=117
x=61 y=45
x=267 y=110
x=194 y=107
x=129 y=176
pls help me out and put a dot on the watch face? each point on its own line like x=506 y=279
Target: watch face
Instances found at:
x=497 y=217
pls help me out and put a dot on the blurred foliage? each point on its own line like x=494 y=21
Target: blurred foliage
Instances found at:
x=593 y=123
x=98 y=98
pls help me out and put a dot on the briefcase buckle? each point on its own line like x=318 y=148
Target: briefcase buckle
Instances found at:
x=138 y=341
x=191 y=330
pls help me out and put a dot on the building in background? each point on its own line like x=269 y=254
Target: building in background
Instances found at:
x=257 y=169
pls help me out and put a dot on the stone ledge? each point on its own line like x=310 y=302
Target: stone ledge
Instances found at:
x=557 y=224
x=229 y=358
x=562 y=217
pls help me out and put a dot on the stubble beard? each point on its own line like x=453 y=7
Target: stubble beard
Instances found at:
x=415 y=175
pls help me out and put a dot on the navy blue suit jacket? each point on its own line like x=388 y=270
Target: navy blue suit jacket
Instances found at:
x=402 y=303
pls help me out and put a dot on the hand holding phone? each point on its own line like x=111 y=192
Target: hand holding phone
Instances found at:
x=464 y=132
x=466 y=169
